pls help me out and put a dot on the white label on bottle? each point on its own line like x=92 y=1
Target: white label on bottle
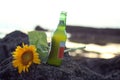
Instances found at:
x=62 y=44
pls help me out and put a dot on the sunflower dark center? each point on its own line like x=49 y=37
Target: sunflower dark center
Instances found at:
x=27 y=57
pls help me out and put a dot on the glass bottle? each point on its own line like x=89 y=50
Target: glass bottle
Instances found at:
x=58 y=42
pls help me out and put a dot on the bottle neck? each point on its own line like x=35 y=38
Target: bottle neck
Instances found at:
x=62 y=21
x=63 y=18
x=61 y=25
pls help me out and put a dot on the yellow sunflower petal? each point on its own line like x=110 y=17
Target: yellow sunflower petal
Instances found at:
x=20 y=68
x=15 y=63
x=37 y=61
x=27 y=69
x=24 y=67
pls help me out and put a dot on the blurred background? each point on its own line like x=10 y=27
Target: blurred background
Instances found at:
x=91 y=23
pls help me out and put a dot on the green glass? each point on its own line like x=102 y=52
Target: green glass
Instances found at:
x=58 y=42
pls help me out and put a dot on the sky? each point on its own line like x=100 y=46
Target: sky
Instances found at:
x=26 y=14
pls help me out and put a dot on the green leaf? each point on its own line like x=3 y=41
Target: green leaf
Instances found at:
x=39 y=39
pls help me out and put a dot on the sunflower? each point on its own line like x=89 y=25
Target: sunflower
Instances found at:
x=24 y=56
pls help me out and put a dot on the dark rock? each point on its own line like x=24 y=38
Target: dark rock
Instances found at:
x=71 y=69
x=9 y=43
x=39 y=28
x=102 y=36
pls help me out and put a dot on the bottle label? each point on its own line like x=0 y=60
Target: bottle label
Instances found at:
x=61 y=49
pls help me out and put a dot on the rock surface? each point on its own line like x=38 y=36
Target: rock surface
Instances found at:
x=88 y=35
x=9 y=43
x=72 y=68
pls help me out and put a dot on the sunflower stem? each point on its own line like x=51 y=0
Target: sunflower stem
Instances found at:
x=73 y=49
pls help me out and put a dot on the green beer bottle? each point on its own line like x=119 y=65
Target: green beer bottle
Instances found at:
x=58 y=42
